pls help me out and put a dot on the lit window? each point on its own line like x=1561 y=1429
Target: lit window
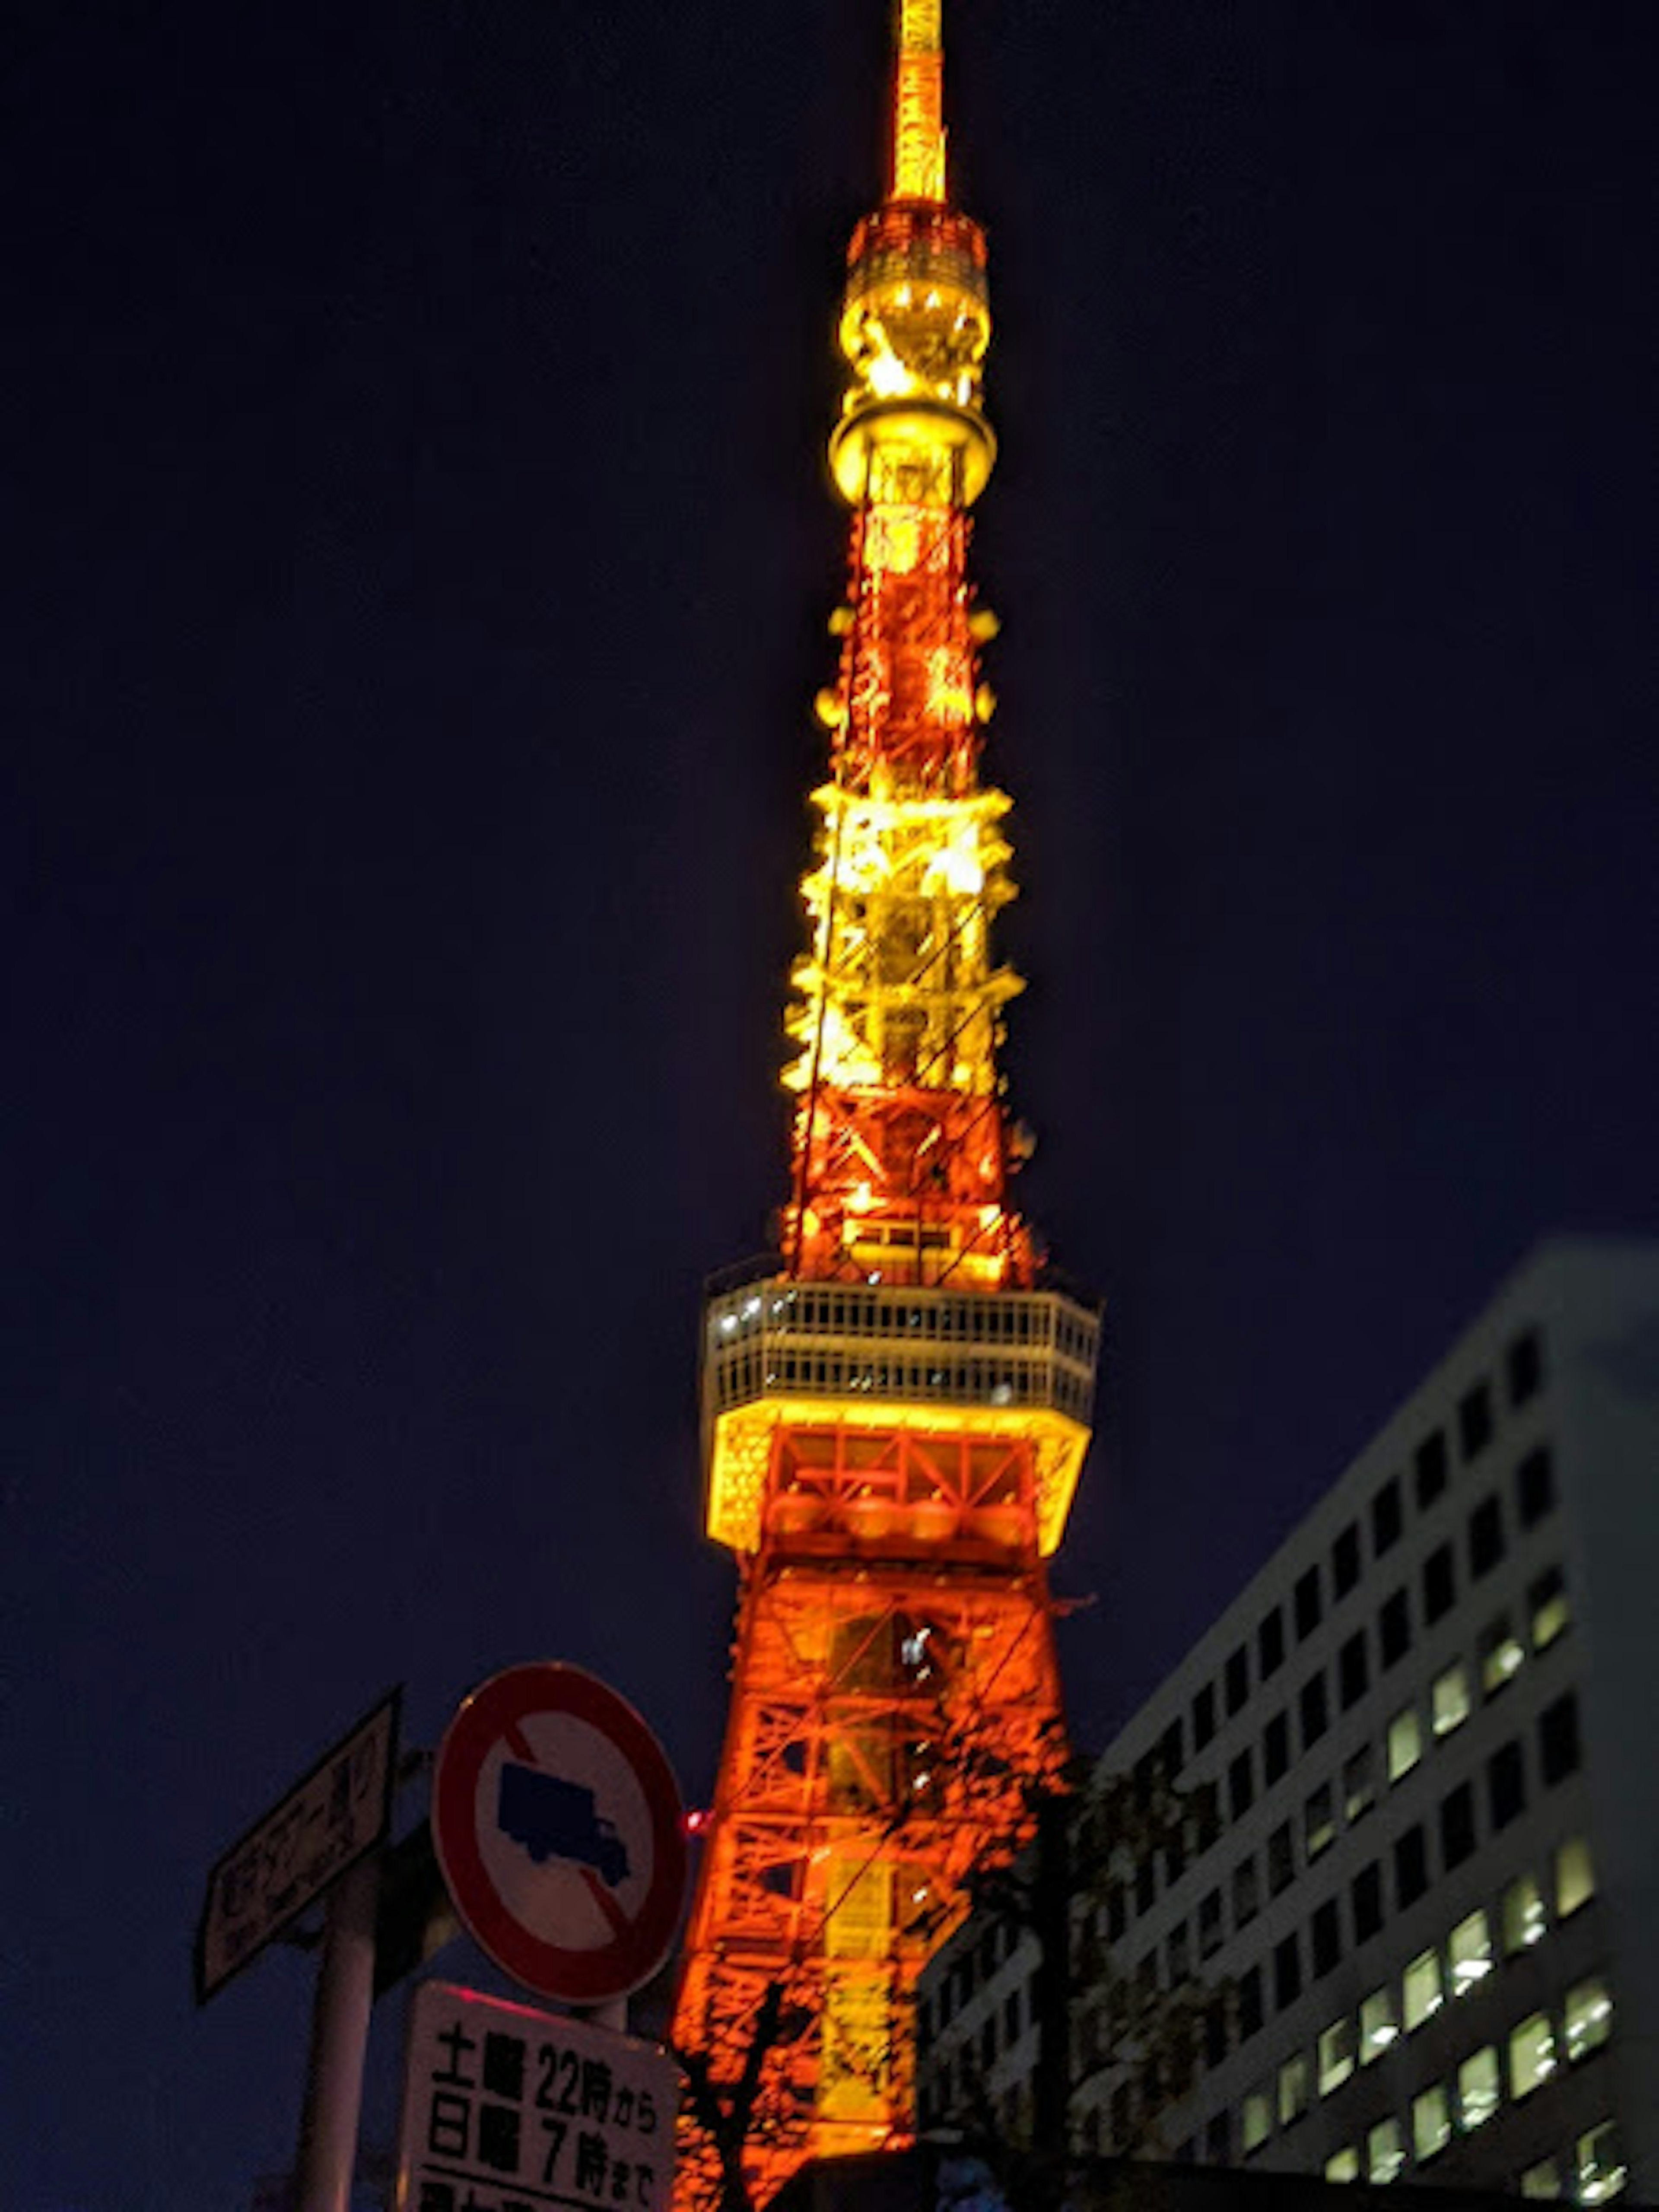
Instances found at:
x=1255 y=2121
x=1547 y=1599
x=1575 y=1877
x=1343 y=2164
x=1359 y=1785
x=1318 y=1821
x=1588 y=2017
x=1500 y=1654
x=1336 y=2055
x=1425 y=1994
x=1477 y=2089
x=1532 y=2054
x=1542 y=2181
x=1295 y=2088
x=1385 y=2151
x=1470 y=1952
x=1405 y=1742
x=1600 y=2169
x=1451 y=1700
x=1379 y=2024
x=1524 y=1924
x=1430 y=2120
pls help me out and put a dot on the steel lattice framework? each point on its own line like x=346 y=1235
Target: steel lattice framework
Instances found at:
x=895 y=1409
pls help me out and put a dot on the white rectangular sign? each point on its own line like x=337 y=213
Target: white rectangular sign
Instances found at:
x=510 y=2110
x=285 y=1862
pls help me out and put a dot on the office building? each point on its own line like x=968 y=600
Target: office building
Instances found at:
x=1417 y=1889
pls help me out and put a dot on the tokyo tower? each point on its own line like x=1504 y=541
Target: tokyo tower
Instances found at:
x=895 y=1405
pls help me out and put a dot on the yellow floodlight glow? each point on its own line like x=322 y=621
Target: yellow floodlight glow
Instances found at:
x=887 y=376
x=740 y=1451
x=919 y=104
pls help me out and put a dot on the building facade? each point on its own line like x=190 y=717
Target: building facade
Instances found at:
x=1416 y=1894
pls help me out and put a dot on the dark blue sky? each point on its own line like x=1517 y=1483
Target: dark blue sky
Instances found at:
x=418 y=560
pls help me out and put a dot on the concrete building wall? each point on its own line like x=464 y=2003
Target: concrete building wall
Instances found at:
x=1482 y=1578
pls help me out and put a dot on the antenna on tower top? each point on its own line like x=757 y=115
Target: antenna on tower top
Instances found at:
x=918 y=102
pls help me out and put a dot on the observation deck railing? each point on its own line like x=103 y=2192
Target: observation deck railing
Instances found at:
x=776 y=1336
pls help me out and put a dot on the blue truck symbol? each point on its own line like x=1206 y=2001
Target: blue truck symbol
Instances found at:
x=554 y=1818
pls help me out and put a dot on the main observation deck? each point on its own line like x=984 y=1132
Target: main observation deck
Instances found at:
x=779 y=1352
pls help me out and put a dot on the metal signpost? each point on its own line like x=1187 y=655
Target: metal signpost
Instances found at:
x=508 y=2110
x=335 y=1816
x=558 y=1825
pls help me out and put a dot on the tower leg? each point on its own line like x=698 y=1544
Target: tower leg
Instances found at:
x=889 y=1716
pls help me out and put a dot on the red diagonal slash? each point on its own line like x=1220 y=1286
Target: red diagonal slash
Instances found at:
x=519 y=1744
x=607 y=1904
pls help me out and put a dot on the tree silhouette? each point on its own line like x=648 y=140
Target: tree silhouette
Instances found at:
x=1091 y=1833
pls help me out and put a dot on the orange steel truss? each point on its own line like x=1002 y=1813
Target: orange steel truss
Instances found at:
x=895 y=1408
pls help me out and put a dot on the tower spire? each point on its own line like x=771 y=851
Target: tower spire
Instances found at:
x=918 y=102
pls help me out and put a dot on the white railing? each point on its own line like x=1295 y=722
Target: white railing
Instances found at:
x=778 y=1337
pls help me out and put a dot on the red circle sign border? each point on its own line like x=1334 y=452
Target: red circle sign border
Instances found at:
x=569 y=1977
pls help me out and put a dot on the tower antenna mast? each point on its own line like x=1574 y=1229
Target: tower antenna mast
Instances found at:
x=918 y=171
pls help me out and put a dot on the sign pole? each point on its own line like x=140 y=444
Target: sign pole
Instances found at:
x=339 y=2041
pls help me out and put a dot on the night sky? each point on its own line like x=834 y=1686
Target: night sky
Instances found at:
x=418 y=554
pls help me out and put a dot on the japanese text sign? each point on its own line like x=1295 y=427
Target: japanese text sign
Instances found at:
x=285 y=1862
x=508 y=2110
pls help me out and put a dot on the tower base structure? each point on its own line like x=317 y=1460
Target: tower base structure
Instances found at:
x=888 y=1459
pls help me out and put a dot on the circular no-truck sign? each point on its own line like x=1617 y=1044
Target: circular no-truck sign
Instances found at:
x=557 y=1824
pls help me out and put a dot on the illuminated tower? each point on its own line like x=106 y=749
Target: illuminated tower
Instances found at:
x=895 y=1409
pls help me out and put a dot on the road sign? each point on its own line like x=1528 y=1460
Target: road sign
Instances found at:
x=557 y=1824
x=504 y=2107
x=285 y=1862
